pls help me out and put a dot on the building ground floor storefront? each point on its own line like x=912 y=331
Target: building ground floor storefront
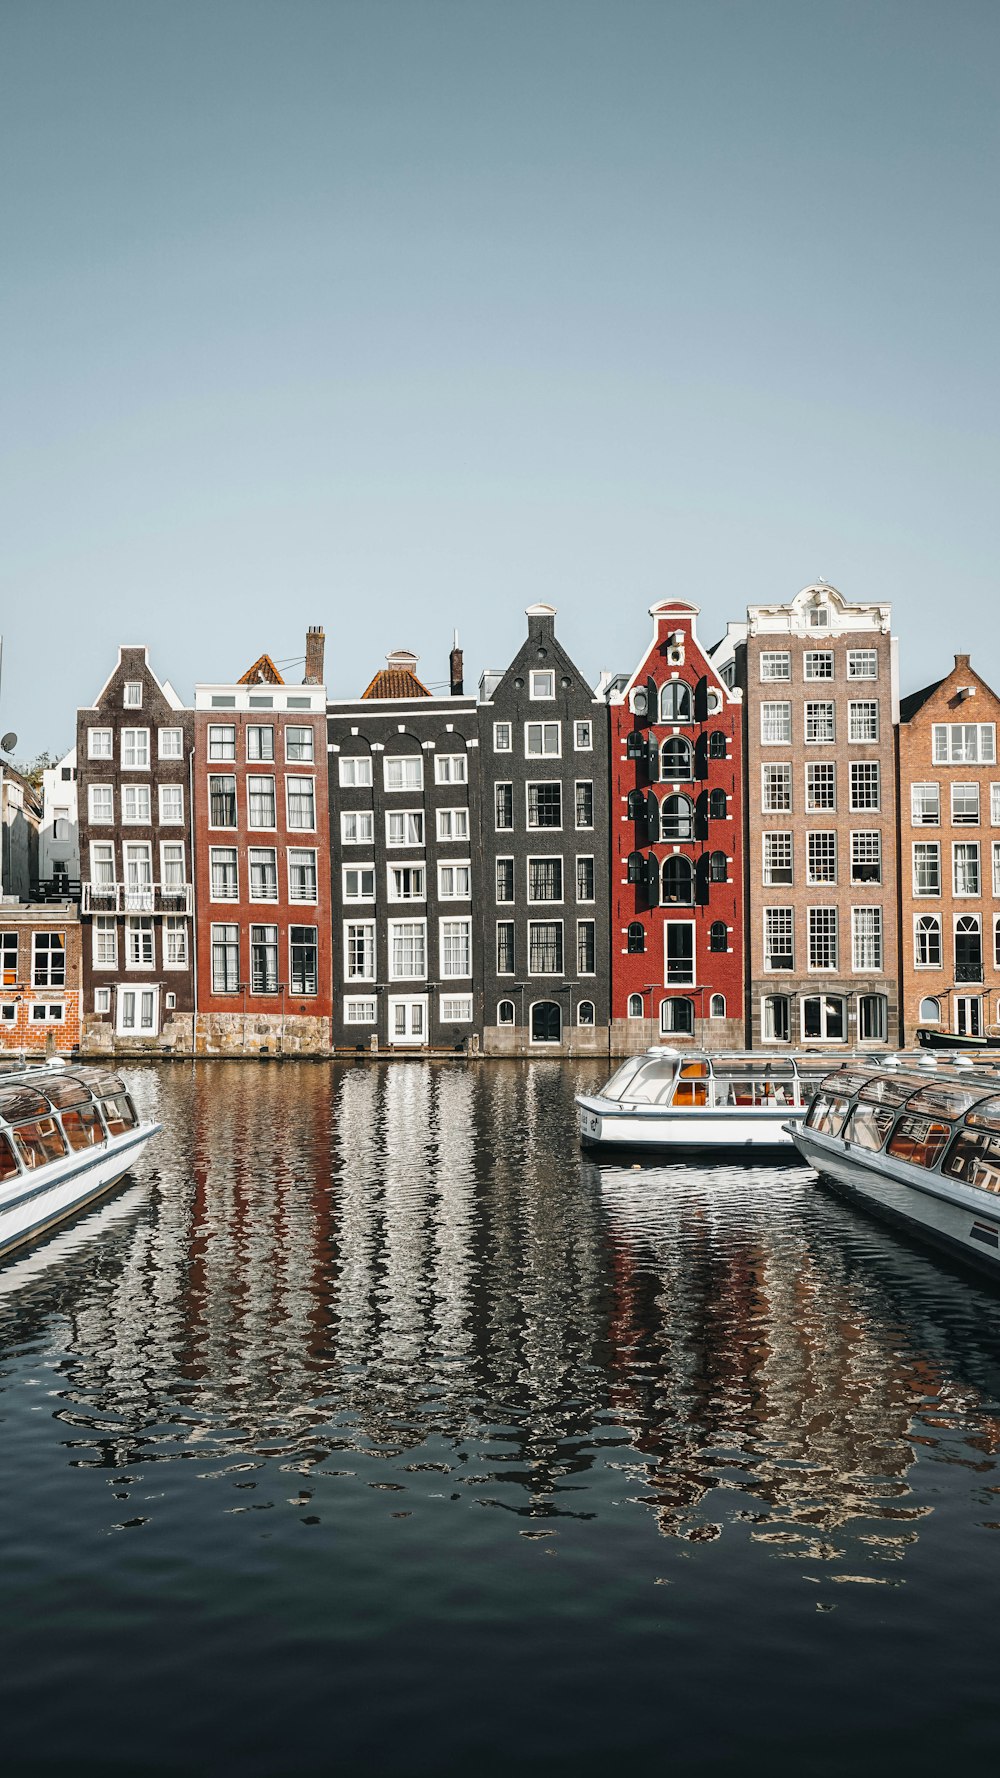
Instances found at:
x=839 y=1011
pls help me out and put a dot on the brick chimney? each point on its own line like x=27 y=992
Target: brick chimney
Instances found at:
x=962 y=660
x=315 y=643
x=456 y=669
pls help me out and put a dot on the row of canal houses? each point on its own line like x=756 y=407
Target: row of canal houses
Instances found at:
x=752 y=842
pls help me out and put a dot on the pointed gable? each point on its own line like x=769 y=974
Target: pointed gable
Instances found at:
x=263 y=672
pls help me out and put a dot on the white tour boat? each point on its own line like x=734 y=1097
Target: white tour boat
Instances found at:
x=670 y=1098
x=67 y=1135
x=917 y=1143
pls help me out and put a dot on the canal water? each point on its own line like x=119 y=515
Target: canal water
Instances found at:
x=371 y=1428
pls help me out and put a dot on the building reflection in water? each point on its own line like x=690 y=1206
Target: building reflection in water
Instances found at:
x=409 y=1264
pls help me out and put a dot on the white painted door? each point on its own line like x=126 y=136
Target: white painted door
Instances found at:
x=408 y=1019
x=138 y=1012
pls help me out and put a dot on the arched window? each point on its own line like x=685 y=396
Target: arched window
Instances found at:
x=677 y=1016
x=718 y=936
x=636 y=936
x=635 y=1006
x=968 y=949
x=718 y=868
x=930 y=1011
x=678 y=879
x=546 y=1022
x=585 y=1013
x=717 y=805
x=713 y=700
x=676 y=702
x=505 y=1012
x=676 y=760
x=927 y=941
x=636 y=867
x=717 y=1006
x=677 y=818
x=717 y=744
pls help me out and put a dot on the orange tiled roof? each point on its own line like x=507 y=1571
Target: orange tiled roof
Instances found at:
x=263 y=672
x=396 y=682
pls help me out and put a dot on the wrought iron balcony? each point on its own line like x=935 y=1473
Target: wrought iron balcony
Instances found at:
x=144 y=898
x=968 y=972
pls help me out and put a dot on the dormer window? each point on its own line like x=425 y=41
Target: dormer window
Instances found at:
x=543 y=684
x=133 y=694
x=819 y=617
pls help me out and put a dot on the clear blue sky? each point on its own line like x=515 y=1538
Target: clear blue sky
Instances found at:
x=399 y=316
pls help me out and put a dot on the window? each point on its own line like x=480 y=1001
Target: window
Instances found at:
x=776 y=664
x=454 y=882
x=404 y=827
x=677 y=817
x=404 y=772
x=927 y=941
x=48 y=959
x=586 y=947
x=505 y=947
x=717 y=745
x=965 y=805
x=260 y=742
x=263 y=959
x=873 y=1018
x=926 y=867
x=823 y=1016
x=453 y=824
x=778 y=938
x=677 y=1016
x=777 y=857
x=100 y=804
x=172 y=874
x=635 y=1006
x=139 y=942
x=299 y=745
x=171 y=804
x=456 y=1009
x=964 y=743
x=718 y=806
x=717 y=1006
x=544 y=805
x=261 y=810
x=303 y=946
x=545 y=947
x=965 y=867
x=408 y=950
x=355 y=773
x=223 y=873
x=818 y=617
x=866 y=938
x=504 y=806
x=263 y=861
x=133 y=694
x=862 y=663
x=359 y=950
x=8 y=959
x=865 y=787
x=138 y=870
x=545 y=879
x=102 y=865
x=678 y=880
x=821 y=787
x=300 y=804
x=585 y=1013
x=995 y=805
x=820 y=722
x=502 y=743
x=818 y=664
x=676 y=702
x=505 y=1012
x=542 y=740
x=102 y=999
x=930 y=1011
x=456 y=947
x=822 y=938
x=100 y=743
x=175 y=942
x=636 y=937
x=543 y=684
x=925 y=805
x=776 y=789
x=359 y=882
x=360 y=1012
x=821 y=857
x=451 y=768
x=583 y=736
x=221 y=741
x=357 y=827
x=302 y=874
x=584 y=803
x=406 y=882
x=105 y=942
x=135 y=805
x=584 y=879
x=775 y=1019
x=505 y=879
x=862 y=721
x=221 y=802
x=996 y=867
x=679 y=951
x=866 y=856
x=775 y=724
x=676 y=760
x=718 y=936
x=223 y=701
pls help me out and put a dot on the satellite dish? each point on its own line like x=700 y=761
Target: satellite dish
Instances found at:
x=9 y=741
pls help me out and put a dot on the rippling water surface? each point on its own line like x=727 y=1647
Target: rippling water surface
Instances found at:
x=371 y=1428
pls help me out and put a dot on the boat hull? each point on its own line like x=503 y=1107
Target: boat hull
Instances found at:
x=34 y=1204
x=729 y=1130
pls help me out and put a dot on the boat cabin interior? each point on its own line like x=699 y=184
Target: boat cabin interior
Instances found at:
x=701 y=1081
x=942 y=1118
x=45 y=1116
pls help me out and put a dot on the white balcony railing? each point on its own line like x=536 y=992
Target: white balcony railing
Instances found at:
x=143 y=898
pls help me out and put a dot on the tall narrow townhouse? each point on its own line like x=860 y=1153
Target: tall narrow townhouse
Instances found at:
x=819 y=679
x=134 y=752
x=949 y=813
x=544 y=905
x=404 y=794
x=263 y=863
x=677 y=962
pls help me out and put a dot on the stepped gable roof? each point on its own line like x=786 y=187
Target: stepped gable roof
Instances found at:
x=397 y=679
x=263 y=672
x=908 y=707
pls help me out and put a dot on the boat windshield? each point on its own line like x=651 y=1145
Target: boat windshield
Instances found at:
x=622 y=1076
x=986 y=1115
x=17 y=1102
x=653 y=1082
x=869 y=1125
x=827 y=1113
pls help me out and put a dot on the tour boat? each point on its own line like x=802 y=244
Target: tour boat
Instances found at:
x=67 y=1135
x=691 y=1099
x=919 y=1144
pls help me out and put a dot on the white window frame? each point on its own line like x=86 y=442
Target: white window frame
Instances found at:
x=132 y=694
x=769 y=807
x=547 y=974
x=175 y=926
x=163 y=793
x=542 y=684
x=543 y=752
x=961 y=819
x=932 y=848
x=234 y=860
x=457 y=817
x=777 y=854
x=299 y=729
x=140 y=795
x=867 y=930
x=917 y=963
x=544 y=858
x=398 y=865
x=949 y=751
x=170 y=743
x=352 y=886
x=451 y=768
x=823 y=936
x=857 y=656
x=465 y=922
x=583 y=736
x=776 y=714
x=811 y=719
x=503 y=737
x=809 y=661
x=815 y=769
x=775 y=666
x=971 y=847
x=369 y=941
x=405 y=816
x=104 y=791
x=455 y=894
x=391 y=760
x=292 y=781
x=358 y=1011
x=262 y=778
x=348 y=767
x=106 y=750
x=360 y=816
x=855 y=722
x=461 y=1009
x=920 y=803
x=262 y=900
x=394 y=926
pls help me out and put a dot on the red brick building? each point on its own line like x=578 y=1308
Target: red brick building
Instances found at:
x=262 y=863
x=40 y=977
x=676 y=845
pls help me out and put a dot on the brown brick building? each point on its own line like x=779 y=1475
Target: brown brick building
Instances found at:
x=949 y=855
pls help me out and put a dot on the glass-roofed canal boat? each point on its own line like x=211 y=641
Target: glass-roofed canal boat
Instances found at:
x=918 y=1143
x=693 y=1099
x=67 y=1136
